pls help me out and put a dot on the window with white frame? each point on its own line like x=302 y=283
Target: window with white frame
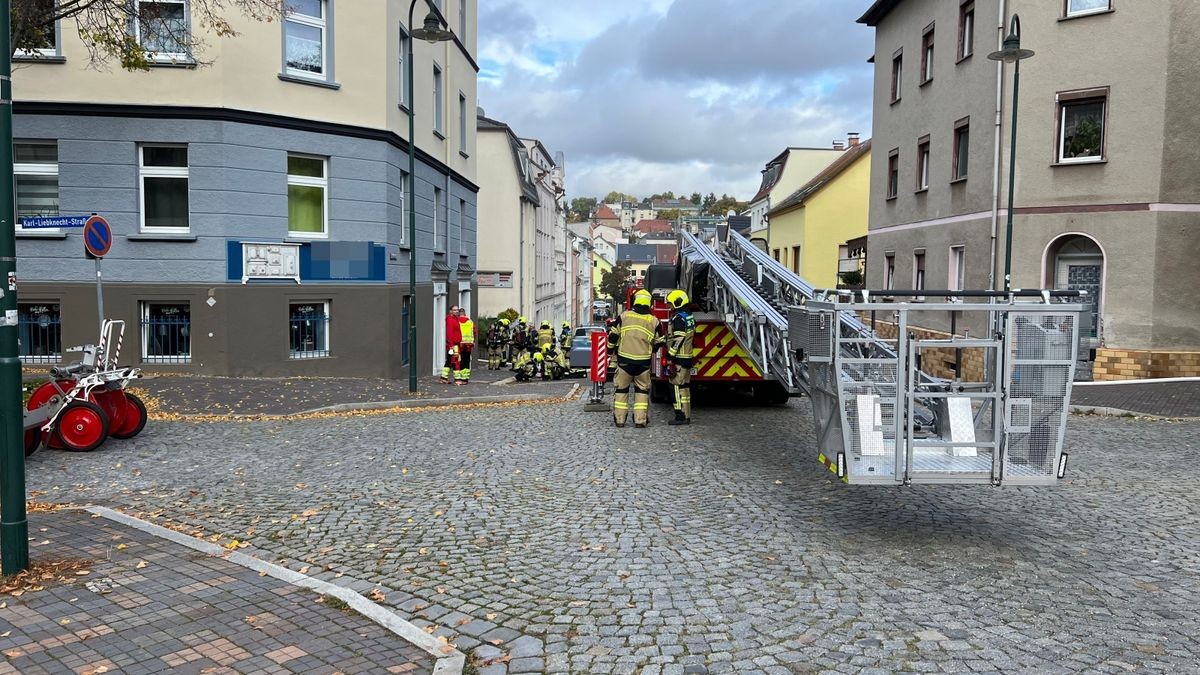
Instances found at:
x=1081 y=7
x=405 y=94
x=39 y=332
x=44 y=37
x=889 y=266
x=927 y=55
x=161 y=28
x=462 y=123
x=404 y=209
x=166 y=332
x=462 y=218
x=1081 y=124
x=308 y=330
x=893 y=177
x=923 y=164
x=962 y=149
x=462 y=18
x=308 y=196
x=958 y=268
x=439 y=234
x=919 y=272
x=305 y=39
x=163 y=175
x=439 y=124
x=966 y=29
x=35 y=168
x=897 y=74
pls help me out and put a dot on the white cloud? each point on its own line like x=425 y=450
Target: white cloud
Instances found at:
x=663 y=95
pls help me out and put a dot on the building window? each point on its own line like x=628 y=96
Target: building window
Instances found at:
x=462 y=219
x=958 y=268
x=1081 y=126
x=439 y=237
x=166 y=332
x=966 y=30
x=163 y=172
x=405 y=94
x=462 y=18
x=927 y=55
x=962 y=149
x=43 y=39
x=1082 y=7
x=304 y=38
x=919 y=272
x=39 y=336
x=796 y=259
x=923 y=164
x=405 y=327
x=462 y=123
x=893 y=184
x=889 y=273
x=161 y=28
x=35 y=168
x=308 y=330
x=308 y=196
x=439 y=124
x=404 y=209
x=775 y=254
x=897 y=73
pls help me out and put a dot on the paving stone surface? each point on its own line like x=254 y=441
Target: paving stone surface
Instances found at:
x=541 y=536
x=196 y=395
x=148 y=605
x=1164 y=399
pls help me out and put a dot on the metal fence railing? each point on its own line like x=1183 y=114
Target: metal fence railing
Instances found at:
x=309 y=336
x=167 y=339
x=39 y=334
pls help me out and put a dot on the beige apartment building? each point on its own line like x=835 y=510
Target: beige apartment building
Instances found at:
x=255 y=188
x=1107 y=170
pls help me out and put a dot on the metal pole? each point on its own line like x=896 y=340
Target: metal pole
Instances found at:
x=1012 y=179
x=412 y=211
x=14 y=529
x=100 y=295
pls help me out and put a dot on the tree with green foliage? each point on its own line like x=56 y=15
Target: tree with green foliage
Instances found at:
x=695 y=199
x=104 y=27
x=581 y=209
x=726 y=204
x=669 y=214
x=708 y=202
x=614 y=281
x=615 y=197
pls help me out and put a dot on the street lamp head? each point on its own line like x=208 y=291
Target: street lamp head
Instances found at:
x=1012 y=52
x=433 y=32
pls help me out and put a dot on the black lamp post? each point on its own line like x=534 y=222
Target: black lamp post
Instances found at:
x=432 y=32
x=1012 y=53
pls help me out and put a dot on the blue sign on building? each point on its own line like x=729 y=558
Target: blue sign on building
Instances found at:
x=46 y=222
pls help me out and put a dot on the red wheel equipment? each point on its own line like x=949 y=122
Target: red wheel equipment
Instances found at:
x=133 y=419
x=81 y=427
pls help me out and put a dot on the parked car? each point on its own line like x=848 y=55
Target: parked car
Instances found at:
x=580 y=356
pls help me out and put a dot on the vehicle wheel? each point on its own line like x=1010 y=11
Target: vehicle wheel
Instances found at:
x=33 y=440
x=770 y=395
x=81 y=427
x=134 y=419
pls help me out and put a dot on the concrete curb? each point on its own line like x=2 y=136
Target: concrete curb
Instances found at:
x=423 y=403
x=449 y=662
x=1118 y=412
x=1147 y=380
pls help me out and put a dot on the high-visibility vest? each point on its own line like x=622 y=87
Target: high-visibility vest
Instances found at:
x=468 y=332
x=637 y=336
x=545 y=336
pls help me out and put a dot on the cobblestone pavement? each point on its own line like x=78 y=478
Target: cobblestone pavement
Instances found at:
x=147 y=605
x=194 y=395
x=1165 y=399
x=542 y=538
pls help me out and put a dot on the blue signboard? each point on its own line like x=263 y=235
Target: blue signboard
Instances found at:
x=44 y=222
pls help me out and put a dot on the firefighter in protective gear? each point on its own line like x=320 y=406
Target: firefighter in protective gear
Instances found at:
x=681 y=355
x=497 y=341
x=545 y=336
x=516 y=342
x=635 y=349
x=465 y=347
x=564 y=336
x=524 y=366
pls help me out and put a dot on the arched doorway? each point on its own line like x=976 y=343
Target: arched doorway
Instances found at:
x=1076 y=262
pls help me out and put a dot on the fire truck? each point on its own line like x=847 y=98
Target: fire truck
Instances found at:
x=894 y=402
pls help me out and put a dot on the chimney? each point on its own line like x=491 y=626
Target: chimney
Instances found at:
x=838 y=145
x=853 y=136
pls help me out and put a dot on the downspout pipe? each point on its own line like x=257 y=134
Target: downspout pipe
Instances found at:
x=1003 y=4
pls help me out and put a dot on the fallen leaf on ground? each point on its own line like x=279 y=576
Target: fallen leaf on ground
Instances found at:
x=377 y=595
x=490 y=616
x=141 y=564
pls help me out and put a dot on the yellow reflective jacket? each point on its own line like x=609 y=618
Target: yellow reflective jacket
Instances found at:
x=468 y=332
x=636 y=337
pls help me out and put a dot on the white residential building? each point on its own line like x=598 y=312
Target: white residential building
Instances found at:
x=550 y=282
x=785 y=174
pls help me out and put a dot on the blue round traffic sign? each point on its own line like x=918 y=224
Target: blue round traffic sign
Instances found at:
x=97 y=236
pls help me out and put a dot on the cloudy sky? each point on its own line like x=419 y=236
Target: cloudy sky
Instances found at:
x=645 y=96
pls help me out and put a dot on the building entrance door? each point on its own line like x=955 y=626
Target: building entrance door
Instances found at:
x=1079 y=266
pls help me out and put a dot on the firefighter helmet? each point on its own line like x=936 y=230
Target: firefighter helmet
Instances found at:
x=677 y=299
x=641 y=298
x=566 y=324
x=521 y=319
x=504 y=322
x=545 y=324
x=537 y=356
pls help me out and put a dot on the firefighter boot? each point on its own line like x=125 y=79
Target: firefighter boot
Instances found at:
x=680 y=418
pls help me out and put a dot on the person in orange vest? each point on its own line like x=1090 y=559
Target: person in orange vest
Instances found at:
x=465 y=346
x=453 y=337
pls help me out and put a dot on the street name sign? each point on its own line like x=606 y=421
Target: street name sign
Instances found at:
x=47 y=222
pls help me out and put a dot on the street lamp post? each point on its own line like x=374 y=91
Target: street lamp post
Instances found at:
x=1012 y=53
x=14 y=529
x=432 y=32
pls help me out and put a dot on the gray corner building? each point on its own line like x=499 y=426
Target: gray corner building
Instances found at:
x=258 y=199
x=1107 y=170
